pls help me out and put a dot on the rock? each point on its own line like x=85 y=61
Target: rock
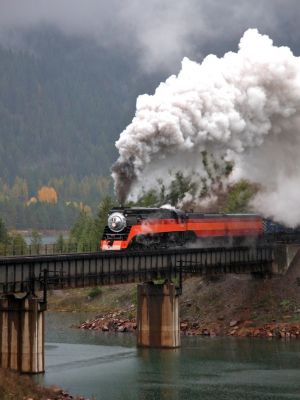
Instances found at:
x=105 y=328
x=56 y=390
x=244 y=332
x=248 y=324
x=233 y=323
x=122 y=329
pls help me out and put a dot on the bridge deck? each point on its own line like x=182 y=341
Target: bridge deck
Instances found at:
x=62 y=271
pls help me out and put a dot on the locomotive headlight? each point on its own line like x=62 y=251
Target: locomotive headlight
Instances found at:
x=116 y=222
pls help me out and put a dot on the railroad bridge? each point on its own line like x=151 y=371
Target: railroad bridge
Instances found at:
x=24 y=281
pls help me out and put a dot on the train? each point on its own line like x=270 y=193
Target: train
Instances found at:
x=152 y=228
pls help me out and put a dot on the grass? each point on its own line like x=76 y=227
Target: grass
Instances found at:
x=97 y=299
x=287 y=305
x=95 y=292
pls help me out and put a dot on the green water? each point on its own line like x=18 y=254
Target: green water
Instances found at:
x=108 y=366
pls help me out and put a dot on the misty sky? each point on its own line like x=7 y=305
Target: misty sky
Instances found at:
x=159 y=32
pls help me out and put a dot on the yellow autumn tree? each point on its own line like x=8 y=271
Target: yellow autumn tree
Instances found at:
x=47 y=194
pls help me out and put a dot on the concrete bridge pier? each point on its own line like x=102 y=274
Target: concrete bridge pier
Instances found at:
x=22 y=333
x=158 y=315
x=285 y=255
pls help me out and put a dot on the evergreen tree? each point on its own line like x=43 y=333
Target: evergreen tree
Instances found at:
x=18 y=244
x=87 y=231
x=36 y=242
x=3 y=232
x=60 y=244
x=239 y=196
x=101 y=219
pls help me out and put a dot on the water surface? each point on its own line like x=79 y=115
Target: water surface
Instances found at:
x=108 y=366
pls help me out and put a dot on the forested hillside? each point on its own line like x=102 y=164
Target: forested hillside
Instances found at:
x=63 y=103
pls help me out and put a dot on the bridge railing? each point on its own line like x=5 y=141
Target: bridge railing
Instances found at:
x=48 y=249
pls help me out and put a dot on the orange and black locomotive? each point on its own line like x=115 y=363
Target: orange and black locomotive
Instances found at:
x=142 y=228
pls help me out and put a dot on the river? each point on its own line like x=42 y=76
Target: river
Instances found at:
x=109 y=366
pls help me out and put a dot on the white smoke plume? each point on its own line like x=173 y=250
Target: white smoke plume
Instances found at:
x=243 y=107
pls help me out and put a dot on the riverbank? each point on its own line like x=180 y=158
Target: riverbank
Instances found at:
x=14 y=386
x=234 y=305
x=118 y=323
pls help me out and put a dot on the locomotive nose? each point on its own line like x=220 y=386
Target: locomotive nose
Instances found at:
x=116 y=222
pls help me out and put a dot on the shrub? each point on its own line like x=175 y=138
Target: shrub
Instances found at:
x=95 y=292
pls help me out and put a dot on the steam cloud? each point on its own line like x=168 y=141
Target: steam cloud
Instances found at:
x=244 y=107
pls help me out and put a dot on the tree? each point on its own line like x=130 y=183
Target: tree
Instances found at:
x=82 y=232
x=20 y=189
x=18 y=243
x=173 y=194
x=36 y=242
x=3 y=232
x=47 y=194
x=60 y=244
x=239 y=196
x=149 y=199
x=87 y=231
x=101 y=218
x=178 y=188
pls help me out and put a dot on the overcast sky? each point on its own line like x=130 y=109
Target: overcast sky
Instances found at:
x=162 y=32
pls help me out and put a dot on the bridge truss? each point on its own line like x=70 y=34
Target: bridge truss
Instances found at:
x=62 y=271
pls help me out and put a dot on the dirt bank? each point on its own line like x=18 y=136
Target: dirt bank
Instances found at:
x=14 y=386
x=236 y=305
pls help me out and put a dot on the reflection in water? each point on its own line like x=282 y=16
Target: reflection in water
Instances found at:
x=158 y=371
x=108 y=366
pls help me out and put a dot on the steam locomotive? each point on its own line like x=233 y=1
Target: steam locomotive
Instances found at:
x=150 y=228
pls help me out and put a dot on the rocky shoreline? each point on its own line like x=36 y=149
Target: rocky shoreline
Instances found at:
x=281 y=330
x=60 y=394
x=110 y=322
x=116 y=322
